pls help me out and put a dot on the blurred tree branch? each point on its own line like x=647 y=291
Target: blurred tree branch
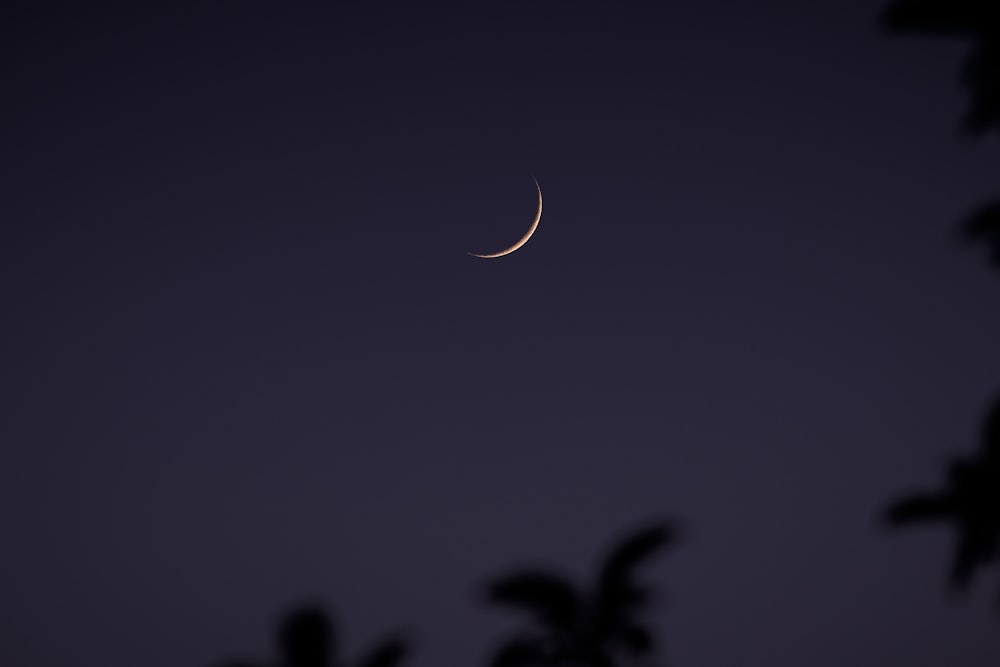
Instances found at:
x=970 y=499
x=575 y=627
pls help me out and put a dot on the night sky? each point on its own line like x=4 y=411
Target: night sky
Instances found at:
x=246 y=359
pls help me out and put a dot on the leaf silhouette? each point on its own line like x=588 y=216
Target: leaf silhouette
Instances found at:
x=616 y=573
x=981 y=75
x=521 y=652
x=554 y=599
x=306 y=638
x=920 y=508
x=991 y=433
x=970 y=501
x=578 y=629
x=975 y=19
x=984 y=226
x=618 y=595
x=637 y=640
x=388 y=653
x=636 y=548
x=955 y=17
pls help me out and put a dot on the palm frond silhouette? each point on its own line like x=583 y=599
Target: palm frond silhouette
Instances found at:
x=984 y=226
x=578 y=627
x=947 y=17
x=975 y=19
x=306 y=638
x=970 y=501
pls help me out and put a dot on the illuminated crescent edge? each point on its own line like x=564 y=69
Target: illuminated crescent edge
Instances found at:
x=524 y=239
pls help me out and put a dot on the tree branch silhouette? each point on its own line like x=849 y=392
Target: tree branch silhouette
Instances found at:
x=984 y=226
x=978 y=20
x=579 y=627
x=970 y=499
x=306 y=638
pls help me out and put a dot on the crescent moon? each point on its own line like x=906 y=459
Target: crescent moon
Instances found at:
x=524 y=239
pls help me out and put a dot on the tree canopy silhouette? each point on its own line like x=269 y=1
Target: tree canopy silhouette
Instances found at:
x=984 y=226
x=579 y=627
x=975 y=19
x=978 y=20
x=306 y=638
x=970 y=501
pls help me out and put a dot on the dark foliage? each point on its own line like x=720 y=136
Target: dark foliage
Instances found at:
x=577 y=627
x=969 y=501
x=978 y=20
x=984 y=226
x=943 y=17
x=306 y=639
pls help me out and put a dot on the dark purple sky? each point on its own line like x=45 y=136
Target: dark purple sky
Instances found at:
x=246 y=360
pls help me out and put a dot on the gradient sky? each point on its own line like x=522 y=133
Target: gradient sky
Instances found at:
x=246 y=360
